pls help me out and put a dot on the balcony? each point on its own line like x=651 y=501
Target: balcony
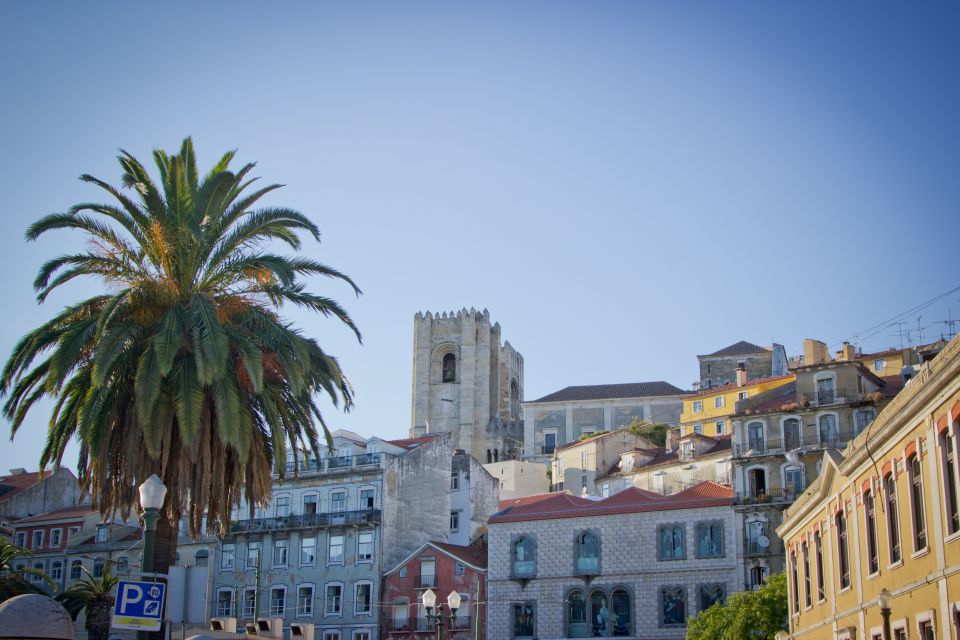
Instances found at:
x=426 y=581
x=767 y=496
x=756 y=547
x=547 y=449
x=779 y=446
x=827 y=397
x=306 y=521
x=523 y=569
x=336 y=464
x=588 y=566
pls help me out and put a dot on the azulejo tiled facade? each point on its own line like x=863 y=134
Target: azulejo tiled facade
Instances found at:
x=637 y=564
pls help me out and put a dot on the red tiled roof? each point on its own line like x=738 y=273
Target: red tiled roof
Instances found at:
x=11 y=485
x=732 y=386
x=633 y=500
x=477 y=556
x=534 y=499
x=79 y=512
x=410 y=443
x=662 y=456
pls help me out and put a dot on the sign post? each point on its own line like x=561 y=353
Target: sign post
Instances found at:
x=139 y=606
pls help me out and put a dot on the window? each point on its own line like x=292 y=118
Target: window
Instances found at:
x=278 y=601
x=305 y=600
x=863 y=419
x=842 y=558
x=253 y=555
x=338 y=501
x=718 y=402
x=710 y=540
x=697 y=406
x=249 y=603
x=698 y=429
x=671 y=543
x=224 y=603
x=403 y=571
x=98 y=565
x=334 y=604
x=524 y=562
x=807 y=585
x=428 y=572
x=576 y=615
x=794 y=583
x=755 y=438
x=793 y=481
x=362 y=592
x=900 y=633
x=283 y=506
x=621 y=620
x=879 y=364
x=335 y=550
x=308 y=551
x=361 y=635
x=449 y=368
x=37 y=539
x=365 y=546
x=722 y=471
x=926 y=630
x=893 y=518
x=605 y=490
x=227 y=556
x=870 y=516
x=56 y=570
x=101 y=533
x=588 y=554
x=758 y=577
x=56 y=536
x=459 y=569
x=21 y=539
x=818 y=552
x=711 y=594
x=310 y=504
x=583 y=459
x=828 y=430
x=673 y=606
x=279 y=553
x=123 y=566
x=76 y=569
x=743 y=395
x=791 y=433
x=916 y=503
x=825 y=391
x=366 y=498
x=454 y=521
x=948 y=463
x=523 y=620
x=455 y=481
x=720 y=427
x=331 y=635
x=583 y=483
x=549 y=442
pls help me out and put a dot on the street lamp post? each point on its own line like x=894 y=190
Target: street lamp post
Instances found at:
x=429 y=600
x=883 y=599
x=152 y=493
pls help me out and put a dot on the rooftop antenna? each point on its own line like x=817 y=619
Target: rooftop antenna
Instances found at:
x=919 y=332
x=949 y=322
x=900 y=332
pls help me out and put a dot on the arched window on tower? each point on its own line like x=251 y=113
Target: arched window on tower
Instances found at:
x=514 y=400
x=449 y=368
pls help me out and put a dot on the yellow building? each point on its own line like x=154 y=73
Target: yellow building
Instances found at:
x=708 y=412
x=884 y=514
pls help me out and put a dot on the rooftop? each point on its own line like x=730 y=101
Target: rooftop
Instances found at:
x=733 y=386
x=77 y=512
x=474 y=555
x=613 y=391
x=737 y=349
x=661 y=456
x=11 y=485
x=563 y=505
x=413 y=443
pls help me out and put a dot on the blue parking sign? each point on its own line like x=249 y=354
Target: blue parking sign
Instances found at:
x=139 y=605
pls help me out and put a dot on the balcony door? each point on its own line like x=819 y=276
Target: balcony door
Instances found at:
x=825 y=391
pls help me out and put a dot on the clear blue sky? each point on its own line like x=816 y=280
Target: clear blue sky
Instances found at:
x=623 y=185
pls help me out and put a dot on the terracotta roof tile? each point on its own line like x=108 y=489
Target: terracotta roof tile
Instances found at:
x=410 y=443
x=79 y=512
x=732 y=386
x=11 y=485
x=633 y=500
x=477 y=556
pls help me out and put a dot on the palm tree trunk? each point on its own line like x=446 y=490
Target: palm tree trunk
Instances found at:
x=98 y=621
x=164 y=554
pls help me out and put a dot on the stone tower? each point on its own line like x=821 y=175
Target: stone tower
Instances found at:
x=466 y=383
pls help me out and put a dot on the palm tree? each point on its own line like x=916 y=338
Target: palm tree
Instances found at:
x=183 y=366
x=95 y=596
x=12 y=579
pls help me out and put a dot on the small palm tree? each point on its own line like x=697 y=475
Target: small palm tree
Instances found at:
x=95 y=597
x=12 y=580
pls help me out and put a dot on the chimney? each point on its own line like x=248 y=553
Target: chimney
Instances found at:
x=815 y=352
x=741 y=376
x=847 y=353
x=673 y=436
x=19 y=471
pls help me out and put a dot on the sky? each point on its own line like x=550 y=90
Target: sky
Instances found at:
x=623 y=185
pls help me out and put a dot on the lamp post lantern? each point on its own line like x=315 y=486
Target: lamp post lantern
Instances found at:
x=429 y=600
x=883 y=599
x=152 y=494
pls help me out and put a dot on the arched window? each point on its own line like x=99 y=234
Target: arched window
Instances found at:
x=621 y=620
x=123 y=566
x=673 y=606
x=755 y=436
x=588 y=554
x=828 y=430
x=75 y=569
x=758 y=481
x=791 y=434
x=201 y=558
x=449 y=368
x=599 y=614
x=711 y=594
x=793 y=482
x=576 y=615
x=98 y=568
x=524 y=560
x=514 y=399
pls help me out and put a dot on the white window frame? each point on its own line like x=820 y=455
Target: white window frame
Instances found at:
x=373 y=490
x=455 y=480
x=308 y=613
x=336 y=492
x=35 y=541
x=56 y=570
x=314 y=560
x=288 y=506
x=56 y=537
x=605 y=490
x=244 y=615
x=361 y=634
x=278 y=544
x=365 y=558
x=454 y=522
x=698 y=406
x=272 y=610
x=221 y=613
x=331 y=635
x=315 y=502
x=246 y=559
x=327 y=613
x=879 y=364
x=720 y=427
x=356 y=598
x=232 y=555
x=343 y=549
x=718 y=402
x=21 y=539
x=743 y=395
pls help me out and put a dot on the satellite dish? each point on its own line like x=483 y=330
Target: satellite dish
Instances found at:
x=793 y=457
x=763 y=541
